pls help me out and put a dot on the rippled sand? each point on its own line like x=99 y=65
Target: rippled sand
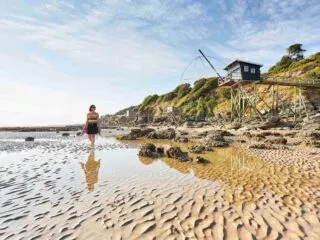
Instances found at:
x=62 y=190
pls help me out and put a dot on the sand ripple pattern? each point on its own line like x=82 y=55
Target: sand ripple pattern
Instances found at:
x=44 y=196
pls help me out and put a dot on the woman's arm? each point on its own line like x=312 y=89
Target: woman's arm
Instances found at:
x=85 y=125
x=98 y=122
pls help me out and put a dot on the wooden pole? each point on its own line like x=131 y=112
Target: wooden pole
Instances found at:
x=277 y=98
x=294 y=102
x=272 y=99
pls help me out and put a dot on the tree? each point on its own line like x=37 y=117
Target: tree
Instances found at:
x=295 y=51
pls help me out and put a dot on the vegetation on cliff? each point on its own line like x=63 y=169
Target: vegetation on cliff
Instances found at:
x=205 y=99
x=294 y=64
x=198 y=100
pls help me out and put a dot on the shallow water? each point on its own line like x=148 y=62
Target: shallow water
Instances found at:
x=56 y=189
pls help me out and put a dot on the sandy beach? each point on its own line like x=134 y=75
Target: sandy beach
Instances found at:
x=57 y=188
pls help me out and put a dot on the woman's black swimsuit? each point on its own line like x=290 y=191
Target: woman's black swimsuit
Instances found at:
x=92 y=127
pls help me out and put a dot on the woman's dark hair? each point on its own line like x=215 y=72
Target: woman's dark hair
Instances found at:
x=92 y=106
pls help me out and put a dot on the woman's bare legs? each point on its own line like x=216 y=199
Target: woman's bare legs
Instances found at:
x=91 y=136
x=93 y=139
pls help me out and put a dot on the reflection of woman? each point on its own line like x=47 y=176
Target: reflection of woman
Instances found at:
x=91 y=169
x=92 y=125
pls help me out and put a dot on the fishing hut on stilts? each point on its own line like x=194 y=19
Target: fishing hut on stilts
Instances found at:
x=244 y=77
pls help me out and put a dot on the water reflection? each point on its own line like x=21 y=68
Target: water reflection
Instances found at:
x=91 y=170
x=245 y=177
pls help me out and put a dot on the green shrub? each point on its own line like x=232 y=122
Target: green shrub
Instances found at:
x=183 y=90
x=169 y=96
x=149 y=100
x=282 y=65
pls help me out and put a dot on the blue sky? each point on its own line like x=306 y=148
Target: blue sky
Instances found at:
x=57 y=56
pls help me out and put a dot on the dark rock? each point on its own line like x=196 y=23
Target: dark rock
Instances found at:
x=281 y=140
x=290 y=134
x=183 y=133
x=197 y=149
x=176 y=153
x=180 y=139
x=312 y=143
x=135 y=131
x=166 y=134
x=215 y=139
x=216 y=144
x=234 y=125
x=188 y=124
x=145 y=131
x=79 y=133
x=259 y=138
x=138 y=133
x=152 y=135
x=262 y=146
x=160 y=150
x=247 y=134
x=267 y=133
x=65 y=134
x=270 y=123
x=202 y=134
x=149 y=150
x=160 y=119
x=315 y=135
x=199 y=159
x=29 y=139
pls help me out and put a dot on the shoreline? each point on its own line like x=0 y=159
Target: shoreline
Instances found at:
x=48 y=128
x=242 y=193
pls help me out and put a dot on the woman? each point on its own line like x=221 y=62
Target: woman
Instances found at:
x=92 y=125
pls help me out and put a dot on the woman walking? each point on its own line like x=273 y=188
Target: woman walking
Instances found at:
x=92 y=125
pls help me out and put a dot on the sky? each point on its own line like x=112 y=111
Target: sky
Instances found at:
x=59 y=56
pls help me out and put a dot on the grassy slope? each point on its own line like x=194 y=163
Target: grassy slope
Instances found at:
x=204 y=98
x=308 y=67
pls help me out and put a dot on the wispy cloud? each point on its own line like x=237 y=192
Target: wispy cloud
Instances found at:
x=124 y=50
x=40 y=61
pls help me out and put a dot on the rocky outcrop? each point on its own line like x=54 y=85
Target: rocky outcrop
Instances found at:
x=166 y=134
x=311 y=123
x=149 y=133
x=271 y=122
x=138 y=133
x=199 y=149
x=177 y=153
x=215 y=139
x=151 y=151
x=234 y=125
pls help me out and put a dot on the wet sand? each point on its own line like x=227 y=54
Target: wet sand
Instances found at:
x=59 y=189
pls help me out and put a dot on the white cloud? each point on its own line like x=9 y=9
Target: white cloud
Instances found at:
x=33 y=106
